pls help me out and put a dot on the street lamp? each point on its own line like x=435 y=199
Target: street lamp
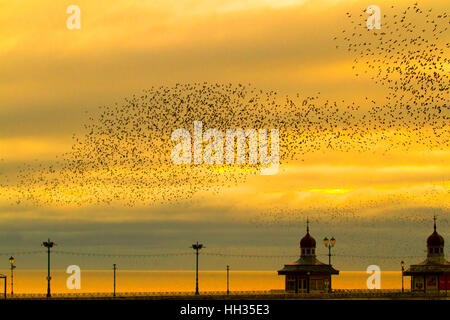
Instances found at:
x=329 y=244
x=197 y=247
x=228 y=280
x=48 y=244
x=11 y=262
x=114 y=268
x=402 y=263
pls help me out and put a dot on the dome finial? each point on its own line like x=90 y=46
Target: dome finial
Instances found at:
x=435 y=240
x=307 y=225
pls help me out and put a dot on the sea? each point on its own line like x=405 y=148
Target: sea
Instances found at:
x=102 y=281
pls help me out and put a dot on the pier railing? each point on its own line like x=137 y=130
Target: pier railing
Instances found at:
x=268 y=294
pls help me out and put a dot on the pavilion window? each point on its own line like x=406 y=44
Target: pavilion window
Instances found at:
x=320 y=285
x=290 y=286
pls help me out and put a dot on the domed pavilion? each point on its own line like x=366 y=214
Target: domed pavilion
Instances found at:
x=307 y=274
x=433 y=274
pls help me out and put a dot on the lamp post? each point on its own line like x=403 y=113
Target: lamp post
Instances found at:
x=114 y=268
x=228 y=280
x=197 y=247
x=48 y=244
x=329 y=244
x=402 y=263
x=11 y=262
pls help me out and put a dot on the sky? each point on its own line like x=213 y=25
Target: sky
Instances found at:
x=379 y=206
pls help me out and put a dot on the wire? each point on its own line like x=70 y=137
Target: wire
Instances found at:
x=19 y=253
x=121 y=254
x=172 y=254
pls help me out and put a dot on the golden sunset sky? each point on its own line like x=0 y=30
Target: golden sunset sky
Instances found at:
x=374 y=204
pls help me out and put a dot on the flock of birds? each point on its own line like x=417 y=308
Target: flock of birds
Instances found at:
x=124 y=155
x=409 y=57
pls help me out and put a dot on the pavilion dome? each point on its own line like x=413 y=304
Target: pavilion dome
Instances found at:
x=435 y=240
x=307 y=241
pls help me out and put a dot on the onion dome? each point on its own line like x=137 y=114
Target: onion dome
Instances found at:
x=307 y=241
x=435 y=239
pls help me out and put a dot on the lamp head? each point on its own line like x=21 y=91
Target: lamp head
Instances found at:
x=197 y=246
x=48 y=243
x=332 y=241
x=11 y=260
x=325 y=241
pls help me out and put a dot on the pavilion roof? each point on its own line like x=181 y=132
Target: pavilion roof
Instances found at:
x=428 y=266
x=307 y=264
